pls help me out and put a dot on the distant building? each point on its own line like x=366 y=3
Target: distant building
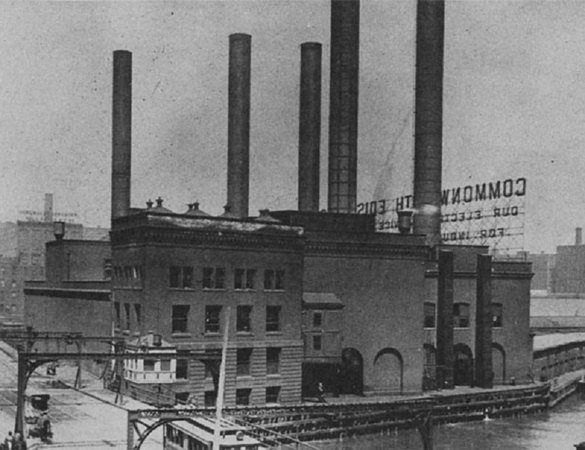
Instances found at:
x=23 y=243
x=543 y=267
x=569 y=271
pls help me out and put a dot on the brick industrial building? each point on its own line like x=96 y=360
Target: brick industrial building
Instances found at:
x=314 y=297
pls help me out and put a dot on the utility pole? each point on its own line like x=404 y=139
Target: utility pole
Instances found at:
x=221 y=386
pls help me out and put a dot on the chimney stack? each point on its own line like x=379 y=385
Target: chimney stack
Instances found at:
x=578 y=236
x=239 y=124
x=121 y=133
x=343 y=106
x=430 y=31
x=310 y=127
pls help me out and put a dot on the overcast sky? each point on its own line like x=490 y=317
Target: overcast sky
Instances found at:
x=514 y=101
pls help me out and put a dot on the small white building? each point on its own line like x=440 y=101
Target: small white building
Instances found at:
x=150 y=371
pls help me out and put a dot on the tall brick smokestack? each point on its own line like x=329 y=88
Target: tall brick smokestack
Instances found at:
x=121 y=133
x=239 y=124
x=343 y=106
x=430 y=31
x=310 y=127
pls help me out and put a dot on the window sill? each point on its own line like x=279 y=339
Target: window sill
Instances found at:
x=244 y=290
x=180 y=335
x=244 y=333
x=214 y=289
x=273 y=375
x=212 y=333
x=274 y=333
x=273 y=290
x=180 y=289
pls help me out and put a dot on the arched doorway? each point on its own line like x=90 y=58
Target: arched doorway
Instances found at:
x=352 y=372
x=388 y=370
x=463 y=367
x=498 y=363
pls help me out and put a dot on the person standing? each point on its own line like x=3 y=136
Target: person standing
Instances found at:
x=7 y=444
x=18 y=443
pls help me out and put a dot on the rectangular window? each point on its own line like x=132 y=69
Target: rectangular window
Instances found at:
x=127 y=311
x=212 y=318
x=273 y=318
x=461 y=315
x=272 y=360
x=274 y=280
x=148 y=365
x=175 y=277
x=244 y=279
x=317 y=319
x=117 y=314
x=243 y=397
x=182 y=369
x=210 y=398
x=243 y=319
x=317 y=342
x=182 y=398
x=181 y=277
x=211 y=366
x=179 y=319
x=165 y=365
x=187 y=277
x=239 y=278
x=497 y=315
x=213 y=278
x=273 y=394
x=429 y=310
x=137 y=313
x=244 y=356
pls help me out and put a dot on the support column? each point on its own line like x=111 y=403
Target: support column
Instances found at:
x=445 y=349
x=484 y=375
x=21 y=386
x=129 y=434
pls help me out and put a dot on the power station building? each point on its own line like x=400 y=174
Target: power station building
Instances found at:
x=305 y=296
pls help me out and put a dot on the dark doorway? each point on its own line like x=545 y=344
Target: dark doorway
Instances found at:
x=499 y=363
x=463 y=367
x=352 y=372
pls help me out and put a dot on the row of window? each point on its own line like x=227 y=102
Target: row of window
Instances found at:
x=243 y=363
x=461 y=315
x=127 y=315
x=180 y=318
x=125 y=273
x=182 y=277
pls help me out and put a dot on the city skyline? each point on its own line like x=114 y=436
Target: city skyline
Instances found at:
x=512 y=102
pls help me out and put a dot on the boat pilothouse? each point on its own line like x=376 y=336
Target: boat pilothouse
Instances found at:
x=198 y=434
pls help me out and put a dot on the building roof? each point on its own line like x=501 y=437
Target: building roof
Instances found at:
x=557 y=307
x=554 y=340
x=321 y=300
x=148 y=340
